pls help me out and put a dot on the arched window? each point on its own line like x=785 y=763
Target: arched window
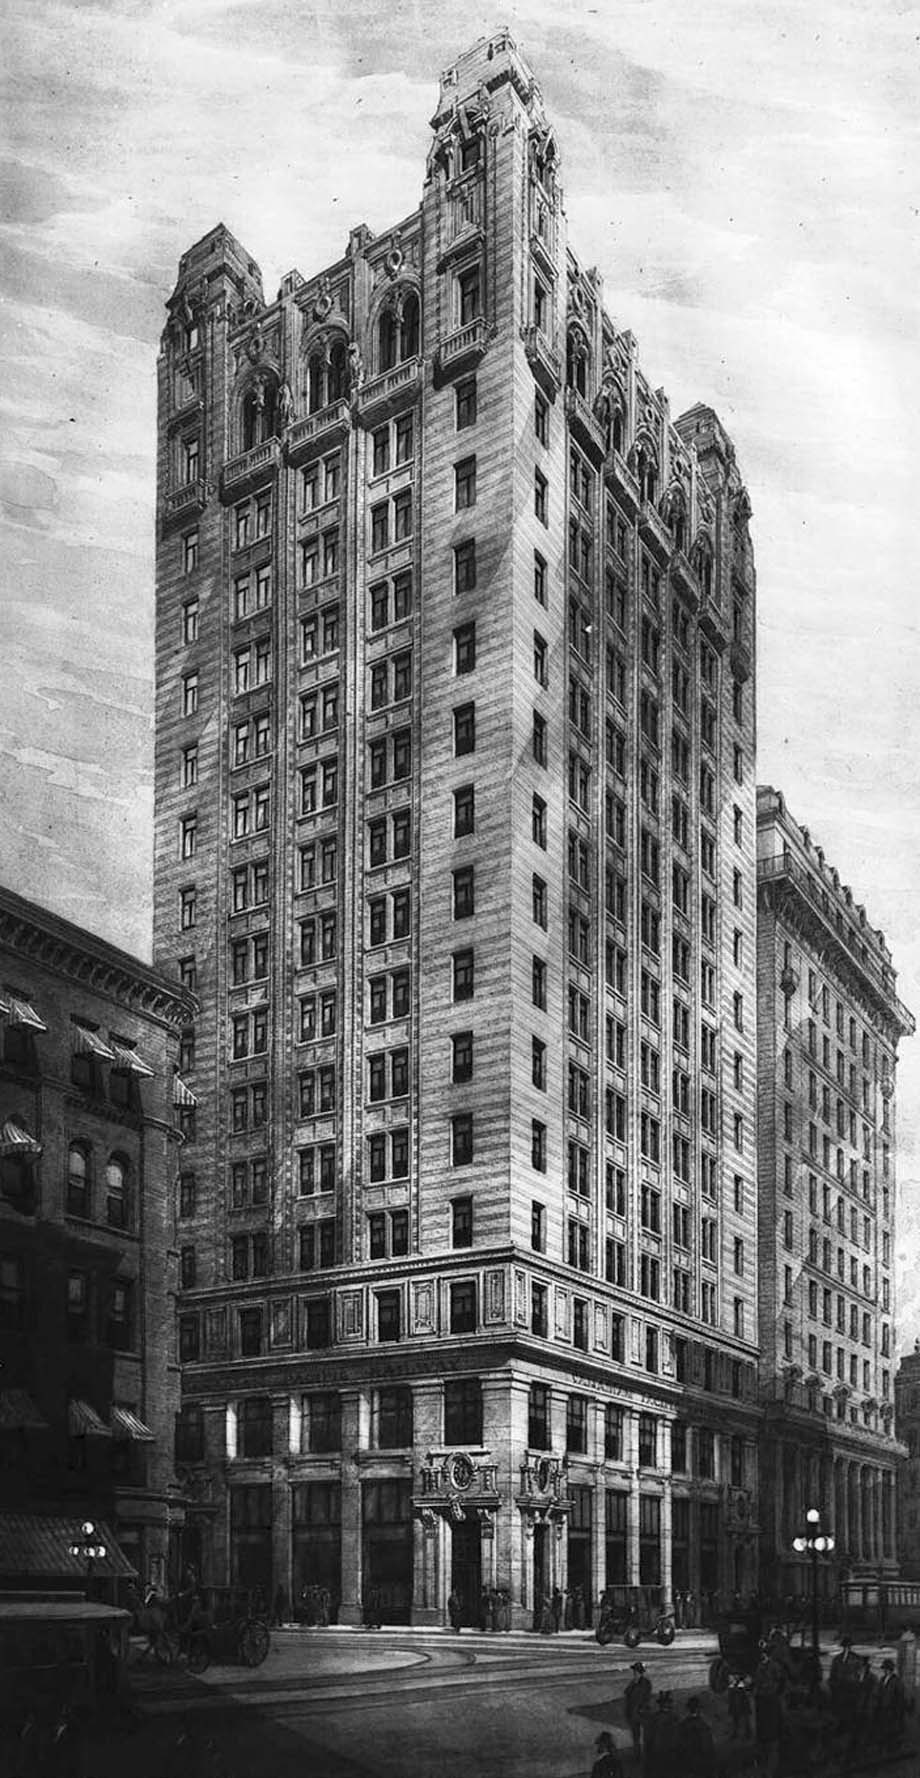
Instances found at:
x=387 y=340
x=258 y=415
x=116 y=1193
x=647 y=469
x=316 y=382
x=337 y=381
x=78 y=1193
x=677 y=518
x=409 y=329
x=576 y=361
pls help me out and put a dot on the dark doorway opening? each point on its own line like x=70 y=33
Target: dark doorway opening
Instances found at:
x=466 y=1568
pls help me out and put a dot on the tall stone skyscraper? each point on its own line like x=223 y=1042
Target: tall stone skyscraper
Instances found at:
x=455 y=843
x=829 y=1025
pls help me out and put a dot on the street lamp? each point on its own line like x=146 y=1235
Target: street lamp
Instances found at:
x=816 y=1543
x=89 y=1546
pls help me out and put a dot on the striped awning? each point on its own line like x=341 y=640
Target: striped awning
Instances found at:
x=127 y=1061
x=89 y=1043
x=182 y=1094
x=16 y=1143
x=18 y=1412
x=84 y=1422
x=125 y=1424
x=17 y=1011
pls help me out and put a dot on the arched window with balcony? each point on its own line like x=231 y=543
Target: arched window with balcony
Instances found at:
x=327 y=373
x=398 y=330
x=577 y=361
x=79 y=1199
x=116 y=1192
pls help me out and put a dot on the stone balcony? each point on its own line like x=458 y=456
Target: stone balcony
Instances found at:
x=308 y=437
x=461 y=350
x=585 y=429
x=241 y=472
x=654 y=532
x=183 y=503
x=544 y=361
x=380 y=396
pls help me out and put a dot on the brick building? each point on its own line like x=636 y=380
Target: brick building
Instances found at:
x=829 y=1024
x=455 y=814
x=89 y=1385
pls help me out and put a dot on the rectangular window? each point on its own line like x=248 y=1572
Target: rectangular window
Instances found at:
x=466 y=403
x=464 y=484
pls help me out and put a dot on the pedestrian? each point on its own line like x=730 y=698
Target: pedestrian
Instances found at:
x=546 y=1616
x=557 y=1610
x=567 y=1611
x=661 y=1739
x=739 y=1707
x=696 y=1755
x=768 y=1707
x=454 y=1610
x=890 y=1704
x=607 y=1764
x=323 y=1612
x=578 y=1608
x=637 y=1701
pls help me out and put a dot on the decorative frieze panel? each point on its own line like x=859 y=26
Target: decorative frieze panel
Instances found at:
x=494 y=1305
x=424 y=1308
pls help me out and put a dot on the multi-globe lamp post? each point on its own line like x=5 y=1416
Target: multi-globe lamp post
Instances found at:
x=89 y=1548
x=814 y=1543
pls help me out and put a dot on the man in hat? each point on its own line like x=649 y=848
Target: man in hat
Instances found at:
x=661 y=1739
x=607 y=1764
x=696 y=1755
x=638 y=1700
x=890 y=1704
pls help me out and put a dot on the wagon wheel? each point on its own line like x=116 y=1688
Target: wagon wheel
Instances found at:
x=632 y=1637
x=665 y=1631
x=719 y=1675
x=254 y=1643
x=199 y=1653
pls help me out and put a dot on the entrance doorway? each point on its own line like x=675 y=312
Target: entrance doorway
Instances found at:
x=466 y=1568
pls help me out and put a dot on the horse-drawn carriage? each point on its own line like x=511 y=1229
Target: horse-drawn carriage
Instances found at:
x=205 y=1624
x=743 y=1638
x=634 y=1612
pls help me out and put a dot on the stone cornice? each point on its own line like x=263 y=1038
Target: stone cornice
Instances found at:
x=44 y=939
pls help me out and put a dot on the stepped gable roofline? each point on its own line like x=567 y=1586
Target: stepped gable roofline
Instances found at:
x=53 y=943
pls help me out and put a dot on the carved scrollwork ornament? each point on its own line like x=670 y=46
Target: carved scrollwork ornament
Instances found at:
x=323 y=303
x=394 y=261
x=460 y=1472
x=429 y=1521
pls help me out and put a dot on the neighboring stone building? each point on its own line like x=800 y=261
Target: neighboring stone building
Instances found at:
x=829 y=1024
x=89 y=1382
x=907 y=1426
x=455 y=842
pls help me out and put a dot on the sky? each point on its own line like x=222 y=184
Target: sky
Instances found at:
x=745 y=177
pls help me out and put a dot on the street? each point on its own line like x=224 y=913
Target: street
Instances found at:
x=440 y=1704
x=417 y=1704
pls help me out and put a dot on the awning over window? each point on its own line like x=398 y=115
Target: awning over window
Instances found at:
x=17 y=1011
x=38 y=1547
x=182 y=1094
x=18 y=1412
x=89 y=1043
x=125 y=1424
x=127 y=1061
x=84 y=1422
x=16 y=1143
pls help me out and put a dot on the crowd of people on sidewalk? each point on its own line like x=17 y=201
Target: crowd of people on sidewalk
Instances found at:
x=857 y=1711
